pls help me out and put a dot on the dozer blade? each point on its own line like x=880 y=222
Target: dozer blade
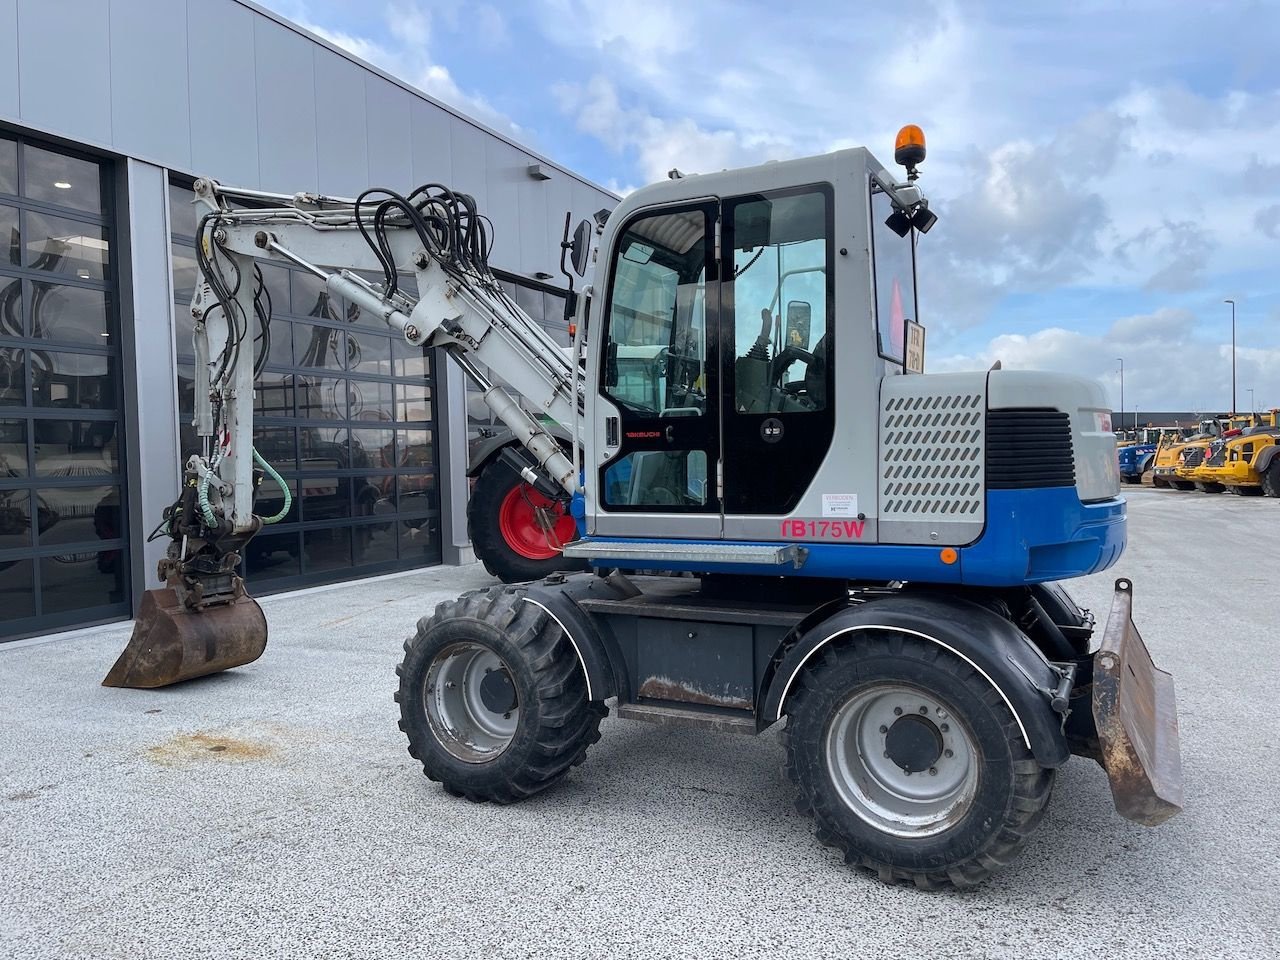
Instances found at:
x=171 y=643
x=1136 y=719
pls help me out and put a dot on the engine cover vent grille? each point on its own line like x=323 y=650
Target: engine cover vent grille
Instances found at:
x=1028 y=448
x=931 y=457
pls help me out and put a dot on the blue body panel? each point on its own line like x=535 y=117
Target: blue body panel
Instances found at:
x=1131 y=458
x=1031 y=536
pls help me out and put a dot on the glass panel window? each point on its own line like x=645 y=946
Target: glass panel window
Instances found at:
x=15 y=520
x=374 y=448
x=324 y=348
x=374 y=543
x=184 y=274
x=410 y=361
x=80 y=514
x=779 y=303
x=10 y=305
x=17 y=589
x=13 y=377
x=270 y=556
x=73 y=380
x=895 y=279
x=657 y=349
x=277 y=446
x=62 y=180
x=76 y=448
x=10 y=237
x=369 y=353
x=370 y=401
x=13 y=449
x=183 y=216
x=70 y=314
x=413 y=402
x=81 y=580
x=8 y=166
x=273 y=395
x=69 y=247
x=322 y=398
x=327 y=549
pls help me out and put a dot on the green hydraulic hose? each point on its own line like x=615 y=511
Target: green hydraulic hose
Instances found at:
x=284 y=487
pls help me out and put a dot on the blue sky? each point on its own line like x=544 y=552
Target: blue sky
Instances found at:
x=1105 y=174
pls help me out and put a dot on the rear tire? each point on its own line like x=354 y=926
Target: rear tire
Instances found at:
x=514 y=559
x=1271 y=479
x=1209 y=487
x=1183 y=484
x=505 y=739
x=952 y=827
x=1248 y=491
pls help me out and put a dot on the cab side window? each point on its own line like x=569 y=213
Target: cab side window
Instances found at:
x=656 y=353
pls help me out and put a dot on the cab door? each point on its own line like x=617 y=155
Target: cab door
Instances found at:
x=659 y=370
x=778 y=381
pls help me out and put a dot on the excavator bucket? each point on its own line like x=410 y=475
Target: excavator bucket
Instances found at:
x=172 y=643
x=1136 y=719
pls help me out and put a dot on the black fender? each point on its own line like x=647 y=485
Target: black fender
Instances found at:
x=1264 y=458
x=598 y=652
x=997 y=649
x=486 y=448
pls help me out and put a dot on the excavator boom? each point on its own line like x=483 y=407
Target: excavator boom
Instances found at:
x=202 y=620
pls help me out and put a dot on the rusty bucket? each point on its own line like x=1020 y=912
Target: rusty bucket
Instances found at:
x=172 y=643
x=1137 y=720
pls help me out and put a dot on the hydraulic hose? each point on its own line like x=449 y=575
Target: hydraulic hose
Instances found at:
x=284 y=487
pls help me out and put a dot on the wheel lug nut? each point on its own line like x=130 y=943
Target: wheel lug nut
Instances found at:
x=947 y=753
x=883 y=728
x=449 y=684
x=933 y=771
x=897 y=711
x=886 y=754
x=507 y=715
x=945 y=728
x=924 y=709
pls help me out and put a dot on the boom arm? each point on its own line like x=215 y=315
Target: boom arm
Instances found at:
x=460 y=307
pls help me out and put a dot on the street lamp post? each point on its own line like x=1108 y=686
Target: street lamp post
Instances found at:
x=1121 y=359
x=1252 y=407
x=1233 y=354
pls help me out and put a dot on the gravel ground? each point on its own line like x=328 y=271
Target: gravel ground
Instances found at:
x=312 y=834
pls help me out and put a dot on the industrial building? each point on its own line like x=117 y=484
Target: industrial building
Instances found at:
x=108 y=112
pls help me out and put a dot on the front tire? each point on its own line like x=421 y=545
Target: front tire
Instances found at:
x=493 y=698
x=911 y=764
x=517 y=533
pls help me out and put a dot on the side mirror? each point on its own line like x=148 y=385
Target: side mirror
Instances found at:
x=799 y=319
x=581 y=248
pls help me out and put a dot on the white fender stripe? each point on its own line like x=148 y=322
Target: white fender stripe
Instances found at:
x=576 y=649
x=923 y=636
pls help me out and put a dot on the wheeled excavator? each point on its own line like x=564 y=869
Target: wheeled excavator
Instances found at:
x=786 y=521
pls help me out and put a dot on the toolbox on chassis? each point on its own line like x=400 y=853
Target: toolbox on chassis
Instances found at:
x=844 y=542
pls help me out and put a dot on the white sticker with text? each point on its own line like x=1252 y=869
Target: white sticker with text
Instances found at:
x=839 y=504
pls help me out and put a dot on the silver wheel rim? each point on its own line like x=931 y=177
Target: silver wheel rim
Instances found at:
x=880 y=791
x=459 y=718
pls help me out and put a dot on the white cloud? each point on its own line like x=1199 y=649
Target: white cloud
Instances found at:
x=1168 y=365
x=658 y=144
x=410 y=59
